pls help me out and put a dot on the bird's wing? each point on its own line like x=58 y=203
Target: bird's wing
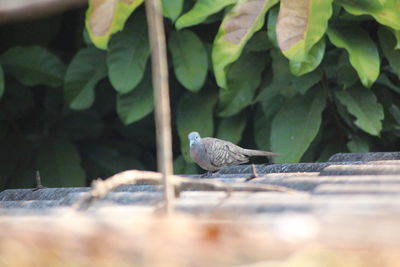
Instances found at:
x=222 y=153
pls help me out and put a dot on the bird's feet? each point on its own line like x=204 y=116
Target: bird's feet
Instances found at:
x=207 y=174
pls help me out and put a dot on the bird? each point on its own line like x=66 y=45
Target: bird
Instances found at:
x=213 y=154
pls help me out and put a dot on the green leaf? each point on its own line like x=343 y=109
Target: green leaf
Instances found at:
x=59 y=165
x=312 y=60
x=388 y=44
x=135 y=105
x=195 y=113
x=259 y=42
x=330 y=149
x=2 y=81
x=106 y=17
x=86 y=69
x=263 y=120
x=271 y=25
x=244 y=78
x=300 y=25
x=395 y=112
x=397 y=36
x=104 y=160
x=172 y=8
x=386 y=12
x=362 y=51
x=231 y=128
x=201 y=10
x=357 y=145
x=33 y=65
x=15 y=157
x=19 y=102
x=40 y=31
x=284 y=82
x=384 y=80
x=345 y=116
x=346 y=75
x=362 y=103
x=128 y=55
x=296 y=125
x=189 y=58
x=183 y=167
x=78 y=125
x=236 y=29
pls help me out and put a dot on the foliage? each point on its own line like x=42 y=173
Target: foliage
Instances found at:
x=305 y=79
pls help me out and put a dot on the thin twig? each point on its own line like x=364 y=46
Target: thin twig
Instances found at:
x=101 y=187
x=38 y=182
x=254 y=173
x=161 y=98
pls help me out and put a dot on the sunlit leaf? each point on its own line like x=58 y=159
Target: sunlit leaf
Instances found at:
x=200 y=11
x=128 y=55
x=296 y=125
x=33 y=65
x=362 y=51
x=386 y=12
x=86 y=69
x=59 y=164
x=238 y=26
x=195 y=113
x=106 y=17
x=189 y=58
x=300 y=25
x=362 y=103
x=136 y=104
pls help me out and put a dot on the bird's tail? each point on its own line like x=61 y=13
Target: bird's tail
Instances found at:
x=251 y=153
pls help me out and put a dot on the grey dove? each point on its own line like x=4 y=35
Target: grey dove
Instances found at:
x=213 y=154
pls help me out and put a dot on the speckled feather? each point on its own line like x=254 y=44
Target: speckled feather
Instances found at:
x=213 y=154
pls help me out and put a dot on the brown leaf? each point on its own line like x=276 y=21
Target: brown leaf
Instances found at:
x=238 y=25
x=103 y=13
x=292 y=22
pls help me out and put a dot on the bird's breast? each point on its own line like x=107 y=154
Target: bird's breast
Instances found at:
x=199 y=156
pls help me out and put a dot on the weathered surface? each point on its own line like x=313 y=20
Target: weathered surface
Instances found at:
x=348 y=211
x=362 y=169
x=371 y=156
x=279 y=168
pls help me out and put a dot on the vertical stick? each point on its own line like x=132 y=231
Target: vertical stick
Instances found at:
x=161 y=97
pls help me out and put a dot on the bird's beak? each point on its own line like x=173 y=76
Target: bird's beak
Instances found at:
x=190 y=142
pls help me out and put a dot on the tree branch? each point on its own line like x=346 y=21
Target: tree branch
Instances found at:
x=161 y=98
x=17 y=10
x=100 y=187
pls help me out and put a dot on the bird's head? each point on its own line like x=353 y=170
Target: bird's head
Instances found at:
x=194 y=138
